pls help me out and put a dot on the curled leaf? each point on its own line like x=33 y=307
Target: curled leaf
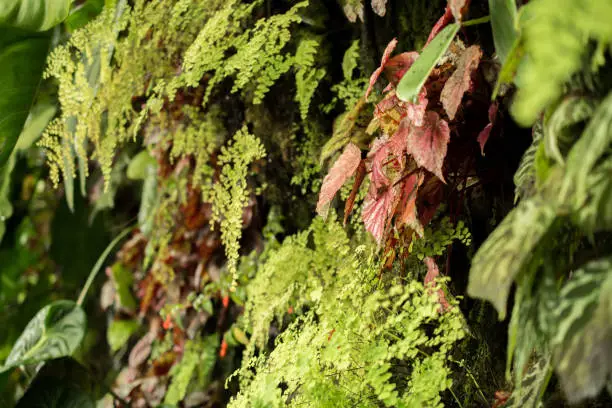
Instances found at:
x=386 y=55
x=342 y=170
x=428 y=143
x=408 y=208
x=460 y=80
x=458 y=8
x=483 y=136
x=379 y=7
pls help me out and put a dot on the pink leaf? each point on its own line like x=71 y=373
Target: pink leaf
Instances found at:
x=390 y=47
x=397 y=143
x=342 y=170
x=458 y=8
x=460 y=80
x=397 y=66
x=446 y=18
x=428 y=143
x=377 y=207
x=379 y=153
x=430 y=281
x=416 y=111
x=483 y=136
x=408 y=214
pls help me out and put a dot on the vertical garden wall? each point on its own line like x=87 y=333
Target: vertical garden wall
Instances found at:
x=320 y=203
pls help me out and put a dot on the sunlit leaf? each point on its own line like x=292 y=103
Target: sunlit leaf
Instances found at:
x=410 y=85
x=119 y=332
x=460 y=81
x=37 y=15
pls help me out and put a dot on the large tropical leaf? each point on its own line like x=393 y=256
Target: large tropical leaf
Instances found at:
x=411 y=83
x=583 y=341
x=35 y=15
x=63 y=383
x=56 y=331
x=529 y=391
x=509 y=250
x=22 y=60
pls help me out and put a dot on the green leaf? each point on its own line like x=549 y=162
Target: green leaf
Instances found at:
x=36 y=15
x=63 y=383
x=122 y=279
x=508 y=251
x=84 y=14
x=508 y=71
x=139 y=165
x=503 y=22
x=529 y=391
x=411 y=83
x=56 y=331
x=560 y=132
x=525 y=176
x=21 y=65
x=594 y=142
x=596 y=214
x=119 y=332
x=583 y=341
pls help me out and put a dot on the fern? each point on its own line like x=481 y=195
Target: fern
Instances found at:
x=307 y=77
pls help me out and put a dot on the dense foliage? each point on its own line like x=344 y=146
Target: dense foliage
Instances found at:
x=300 y=203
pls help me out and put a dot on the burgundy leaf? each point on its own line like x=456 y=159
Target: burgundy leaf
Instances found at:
x=408 y=214
x=350 y=202
x=428 y=143
x=379 y=7
x=397 y=66
x=460 y=80
x=430 y=197
x=390 y=47
x=458 y=8
x=430 y=281
x=342 y=170
x=442 y=22
x=483 y=136
x=376 y=209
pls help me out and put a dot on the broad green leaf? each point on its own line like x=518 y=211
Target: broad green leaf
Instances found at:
x=411 y=83
x=594 y=142
x=35 y=15
x=138 y=167
x=62 y=383
x=56 y=331
x=583 y=341
x=122 y=279
x=559 y=132
x=503 y=23
x=529 y=391
x=508 y=251
x=21 y=66
x=119 y=332
x=83 y=14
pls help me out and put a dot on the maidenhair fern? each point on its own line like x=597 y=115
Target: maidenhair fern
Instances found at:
x=230 y=194
x=349 y=342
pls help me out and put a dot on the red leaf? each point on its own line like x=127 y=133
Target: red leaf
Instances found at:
x=430 y=197
x=397 y=66
x=483 y=136
x=342 y=170
x=376 y=209
x=458 y=8
x=460 y=80
x=446 y=18
x=408 y=215
x=379 y=152
x=397 y=143
x=390 y=47
x=430 y=280
x=416 y=111
x=348 y=206
x=428 y=143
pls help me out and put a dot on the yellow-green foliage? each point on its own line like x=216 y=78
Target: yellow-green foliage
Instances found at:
x=353 y=341
x=307 y=76
x=230 y=194
x=555 y=35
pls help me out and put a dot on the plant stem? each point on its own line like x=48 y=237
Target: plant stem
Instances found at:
x=476 y=21
x=96 y=268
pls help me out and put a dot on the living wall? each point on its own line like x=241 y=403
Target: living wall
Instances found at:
x=266 y=203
